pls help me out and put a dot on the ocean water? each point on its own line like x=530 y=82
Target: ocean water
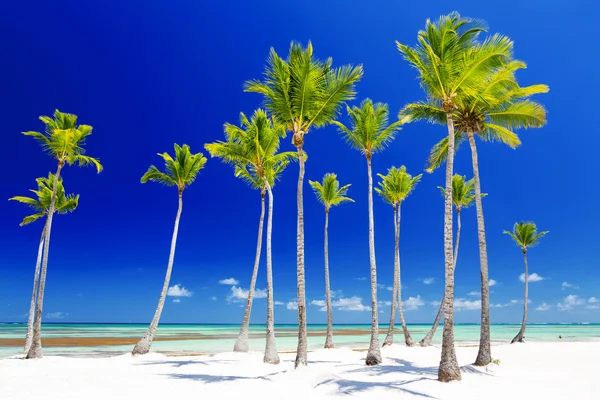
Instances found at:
x=215 y=338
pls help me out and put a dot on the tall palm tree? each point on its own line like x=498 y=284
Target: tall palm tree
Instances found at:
x=63 y=140
x=463 y=195
x=495 y=110
x=370 y=133
x=452 y=64
x=304 y=93
x=65 y=203
x=181 y=172
x=525 y=235
x=394 y=188
x=329 y=193
x=253 y=149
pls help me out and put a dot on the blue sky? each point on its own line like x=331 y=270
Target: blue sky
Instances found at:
x=146 y=74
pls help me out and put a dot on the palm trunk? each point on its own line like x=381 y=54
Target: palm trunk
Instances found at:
x=407 y=338
x=519 y=337
x=241 y=344
x=329 y=336
x=143 y=346
x=389 y=338
x=35 y=350
x=374 y=353
x=271 y=356
x=36 y=277
x=301 y=352
x=449 y=370
x=426 y=341
x=484 y=356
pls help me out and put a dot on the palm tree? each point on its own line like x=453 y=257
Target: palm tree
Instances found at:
x=525 y=235
x=370 y=133
x=64 y=204
x=499 y=107
x=180 y=172
x=463 y=194
x=62 y=139
x=304 y=93
x=252 y=148
x=329 y=193
x=394 y=188
x=451 y=65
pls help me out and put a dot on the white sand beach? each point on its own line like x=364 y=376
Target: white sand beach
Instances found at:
x=556 y=370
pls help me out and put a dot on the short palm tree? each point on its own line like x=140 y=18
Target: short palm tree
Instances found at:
x=370 y=133
x=394 y=188
x=499 y=107
x=452 y=64
x=181 y=172
x=463 y=195
x=253 y=149
x=63 y=140
x=65 y=203
x=329 y=193
x=525 y=235
x=304 y=93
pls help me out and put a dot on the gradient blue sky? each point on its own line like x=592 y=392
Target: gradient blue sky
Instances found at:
x=146 y=74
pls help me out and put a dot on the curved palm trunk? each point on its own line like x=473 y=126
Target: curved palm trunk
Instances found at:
x=484 y=356
x=143 y=346
x=426 y=341
x=36 y=277
x=241 y=344
x=389 y=338
x=374 y=352
x=35 y=350
x=449 y=370
x=407 y=338
x=329 y=336
x=301 y=352
x=519 y=337
x=271 y=356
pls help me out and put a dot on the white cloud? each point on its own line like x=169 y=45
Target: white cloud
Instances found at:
x=214 y=298
x=593 y=303
x=176 y=301
x=292 y=305
x=336 y=293
x=569 y=302
x=464 y=304
x=436 y=303
x=278 y=303
x=57 y=315
x=566 y=285
x=384 y=303
x=510 y=303
x=320 y=303
x=362 y=278
x=353 y=303
x=382 y=286
x=178 y=291
x=413 y=303
x=428 y=281
x=238 y=294
x=492 y=282
x=229 y=281
x=592 y=300
x=532 y=277
x=543 y=307
x=476 y=293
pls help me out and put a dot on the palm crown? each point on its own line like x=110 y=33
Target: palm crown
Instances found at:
x=369 y=131
x=329 y=193
x=302 y=91
x=525 y=235
x=396 y=185
x=463 y=191
x=64 y=139
x=65 y=203
x=252 y=149
x=180 y=171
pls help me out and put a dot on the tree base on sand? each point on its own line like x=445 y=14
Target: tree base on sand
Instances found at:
x=449 y=374
x=142 y=347
x=518 y=339
x=389 y=340
x=241 y=344
x=35 y=351
x=373 y=356
x=328 y=342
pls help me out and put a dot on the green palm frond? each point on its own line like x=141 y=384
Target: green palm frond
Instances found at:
x=463 y=191
x=181 y=171
x=329 y=193
x=396 y=185
x=439 y=152
x=302 y=91
x=64 y=140
x=525 y=234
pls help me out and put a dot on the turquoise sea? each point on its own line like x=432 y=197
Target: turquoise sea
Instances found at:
x=215 y=338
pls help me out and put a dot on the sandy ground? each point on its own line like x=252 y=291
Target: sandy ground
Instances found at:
x=558 y=370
